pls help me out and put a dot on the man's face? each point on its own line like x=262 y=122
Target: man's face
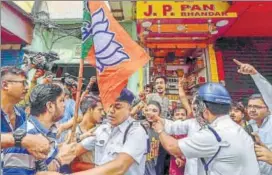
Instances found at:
x=147 y=90
x=118 y=113
x=152 y=111
x=97 y=113
x=59 y=108
x=236 y=115
x=74 y=90
x=180 y=114
x=257 y=110
x=160 y=85
x=15 y=86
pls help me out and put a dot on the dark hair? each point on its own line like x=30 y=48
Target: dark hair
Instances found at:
x=148 y=86
x=152 y=102
x=179 y=108
x=41 y=94
x=256 y=96
x=217 y=109
x=162 y=77
x=239 y=106
x=12 y=70
x=89 y=101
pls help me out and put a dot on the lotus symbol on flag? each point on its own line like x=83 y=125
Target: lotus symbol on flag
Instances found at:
x=108 y=52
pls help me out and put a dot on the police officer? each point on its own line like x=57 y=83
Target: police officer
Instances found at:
x=221 y=146
x=119 y=145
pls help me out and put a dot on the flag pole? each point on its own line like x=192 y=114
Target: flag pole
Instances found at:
x=80 y=77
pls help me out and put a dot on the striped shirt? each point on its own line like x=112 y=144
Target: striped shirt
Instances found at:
x=6 y=126
x=19 y=160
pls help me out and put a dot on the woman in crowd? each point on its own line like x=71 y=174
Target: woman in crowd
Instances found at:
x=153 y=109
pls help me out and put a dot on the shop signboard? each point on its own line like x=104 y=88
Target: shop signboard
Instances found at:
x=175 y=9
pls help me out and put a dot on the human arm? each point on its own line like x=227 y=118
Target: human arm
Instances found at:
x=117 y=166
x=265 y=89
x=68 y=125
x=263 y=154
x=89 y=86
x=137 y=108
x=66 y=154
x=175 y=127
x=36 y=145
x=169 y=143
x=182 y=95
x=129 y=154
x=263 y=85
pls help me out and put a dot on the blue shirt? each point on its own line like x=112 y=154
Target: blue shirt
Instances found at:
x=5 y=122
x=19 y=160
x=6 y=126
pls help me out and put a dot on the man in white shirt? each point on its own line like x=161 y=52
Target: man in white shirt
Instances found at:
x=259 y=110
x=221 y=146
x=119 y=145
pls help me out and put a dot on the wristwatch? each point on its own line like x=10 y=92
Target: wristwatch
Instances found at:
x=18 y=136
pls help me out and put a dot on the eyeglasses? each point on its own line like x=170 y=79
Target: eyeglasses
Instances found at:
x=255 y=107
x=24 y=82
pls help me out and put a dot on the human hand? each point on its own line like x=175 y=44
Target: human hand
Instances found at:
x=263 y=154
x=67 y=153
x=39 y=73
x=36 y=145
x=245 y=68
x=158 y=126
x=180 y=162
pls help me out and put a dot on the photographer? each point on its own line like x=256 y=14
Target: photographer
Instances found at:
x=47 y=107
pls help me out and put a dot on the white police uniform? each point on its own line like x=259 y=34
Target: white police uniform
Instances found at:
x=233 y=155
x=108 y=143
x=188 y=127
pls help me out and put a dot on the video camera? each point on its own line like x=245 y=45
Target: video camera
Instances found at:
x=42 y=60
x=67 y=79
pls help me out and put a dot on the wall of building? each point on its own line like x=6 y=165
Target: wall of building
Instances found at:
x=67 y=48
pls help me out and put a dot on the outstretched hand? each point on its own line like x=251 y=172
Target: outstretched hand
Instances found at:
x=245 y=68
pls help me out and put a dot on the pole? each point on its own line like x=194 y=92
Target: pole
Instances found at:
x=80 y=77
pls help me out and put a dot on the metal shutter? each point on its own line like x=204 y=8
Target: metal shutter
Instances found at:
x=255 y=51
x=11 y=57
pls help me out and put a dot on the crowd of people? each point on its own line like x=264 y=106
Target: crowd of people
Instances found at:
x=211 y=135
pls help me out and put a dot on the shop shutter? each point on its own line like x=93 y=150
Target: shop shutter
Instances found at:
x=255 y=51
x=11 y=57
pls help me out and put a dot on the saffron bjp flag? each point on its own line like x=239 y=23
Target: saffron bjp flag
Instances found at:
x=111 y=50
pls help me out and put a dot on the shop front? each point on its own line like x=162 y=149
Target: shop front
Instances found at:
x=180 y=37
x=12 y=37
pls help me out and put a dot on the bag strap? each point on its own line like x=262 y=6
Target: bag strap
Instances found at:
x=128 y=128
x=218 y=138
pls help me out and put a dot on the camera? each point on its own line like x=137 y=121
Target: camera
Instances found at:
x=67 y=79
x=42 y=60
